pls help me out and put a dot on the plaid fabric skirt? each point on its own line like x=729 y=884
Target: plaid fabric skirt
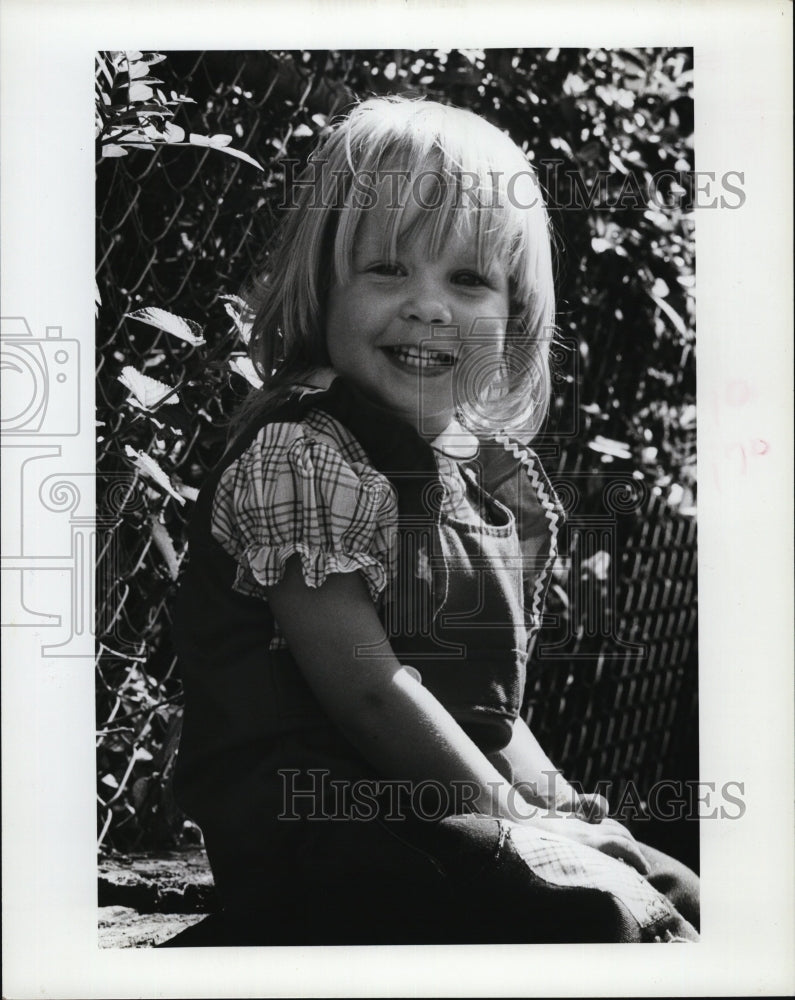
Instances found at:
x=463 y=879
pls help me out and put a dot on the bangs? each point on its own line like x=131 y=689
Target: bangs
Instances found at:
x=440 y=172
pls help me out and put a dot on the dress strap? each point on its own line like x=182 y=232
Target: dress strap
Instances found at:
x=512 y=472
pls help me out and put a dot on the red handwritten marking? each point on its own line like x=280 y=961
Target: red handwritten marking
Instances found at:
x=731 y=449
x=760 y=447
x=736 y=458
x=738 y=392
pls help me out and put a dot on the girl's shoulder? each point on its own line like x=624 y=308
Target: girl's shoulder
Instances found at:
x=303 y=449
x=300 y=483
x=314 y=430
x=299 y=421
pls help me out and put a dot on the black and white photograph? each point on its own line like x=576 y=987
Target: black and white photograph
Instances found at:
x=267 y=304
x=392 y=516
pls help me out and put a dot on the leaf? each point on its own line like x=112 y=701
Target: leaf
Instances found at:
x=687 y=418
x=112 y=150
x=673 y=316
x=150 y=81
x=606 y=446
x=121 y=132
x=152 y=111
x=243 y=328
x=149 y=467
x=165 y=547
x=138 y=68
x=633 y=61
x=302 y=132
x=574 y=85
x=220 y=142
x=245 y=366
x=617 y=163
x=240 y=155
x=189 y=492
x=558 y=143
x=109 y=780
x=140 y=92
x=598 y=565
x=561 y=594
x=147 y=391
x=236 y=300
x=185 y=329
x=473 y=55
x=173 y=133
x=605 y=94
x=214 y=141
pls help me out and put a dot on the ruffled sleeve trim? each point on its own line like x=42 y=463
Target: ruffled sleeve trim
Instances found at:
x=306 y=490
x=263 y=566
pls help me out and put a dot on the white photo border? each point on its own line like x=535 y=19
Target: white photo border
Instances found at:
x=743 y=104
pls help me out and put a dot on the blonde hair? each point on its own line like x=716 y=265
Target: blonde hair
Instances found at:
x=480 y=179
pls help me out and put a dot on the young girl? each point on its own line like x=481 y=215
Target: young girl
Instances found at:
x=368 y=562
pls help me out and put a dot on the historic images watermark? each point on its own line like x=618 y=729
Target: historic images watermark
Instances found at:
x=564 y=188
x=313 y=795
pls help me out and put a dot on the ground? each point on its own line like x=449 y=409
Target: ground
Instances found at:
x=146 y=899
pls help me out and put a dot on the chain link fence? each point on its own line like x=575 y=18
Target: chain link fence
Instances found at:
x=181 y=222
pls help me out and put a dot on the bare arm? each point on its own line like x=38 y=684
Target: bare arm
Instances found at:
x=532 y=773
x=395 y=722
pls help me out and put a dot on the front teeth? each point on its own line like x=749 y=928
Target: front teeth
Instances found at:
x=423 y=357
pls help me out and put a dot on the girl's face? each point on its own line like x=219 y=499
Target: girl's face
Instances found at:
x=408 y=332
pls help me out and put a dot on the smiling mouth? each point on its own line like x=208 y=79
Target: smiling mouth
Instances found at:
x=421 y=358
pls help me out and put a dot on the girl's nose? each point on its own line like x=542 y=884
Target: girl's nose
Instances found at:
x=426 y=303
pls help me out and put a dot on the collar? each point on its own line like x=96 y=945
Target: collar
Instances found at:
x=317 y=380
x=456 y=442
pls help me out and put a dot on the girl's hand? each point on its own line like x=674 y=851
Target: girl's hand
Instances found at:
x=607 y=836
x=592 y=807
x=525 y=764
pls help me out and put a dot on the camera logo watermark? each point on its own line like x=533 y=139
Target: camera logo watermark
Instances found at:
x=40 y=413
x=41 y=382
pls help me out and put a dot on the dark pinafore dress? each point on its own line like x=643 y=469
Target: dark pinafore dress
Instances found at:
x=307 y=844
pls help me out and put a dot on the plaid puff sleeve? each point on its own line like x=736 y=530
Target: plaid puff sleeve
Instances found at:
x=301 y=491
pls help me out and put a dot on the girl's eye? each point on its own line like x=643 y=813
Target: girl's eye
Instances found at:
x=385 y=268
x=470 y=278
